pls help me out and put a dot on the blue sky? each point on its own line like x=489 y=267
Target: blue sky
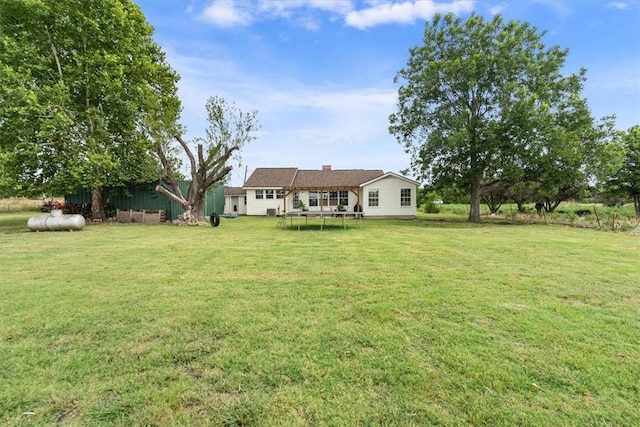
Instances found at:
x=320 y=72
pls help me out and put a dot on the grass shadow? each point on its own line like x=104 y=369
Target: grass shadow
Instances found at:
x=461 y=223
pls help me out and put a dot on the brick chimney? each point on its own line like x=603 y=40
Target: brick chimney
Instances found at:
x=326 y=167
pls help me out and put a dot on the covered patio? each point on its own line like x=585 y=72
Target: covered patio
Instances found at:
x=328 y=195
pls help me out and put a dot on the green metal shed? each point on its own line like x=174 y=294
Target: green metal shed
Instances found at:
x=143 y=196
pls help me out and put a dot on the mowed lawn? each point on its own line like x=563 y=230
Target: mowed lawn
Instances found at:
x=399 y=323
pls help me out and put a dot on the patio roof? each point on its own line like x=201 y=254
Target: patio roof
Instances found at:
x=339 y=179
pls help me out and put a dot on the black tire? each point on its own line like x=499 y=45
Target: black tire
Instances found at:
x=214 y=219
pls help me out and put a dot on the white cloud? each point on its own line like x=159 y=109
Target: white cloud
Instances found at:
x=336 y=6
x=558 y=6
x=309 y=23
x=230 y=13
x=305 y=13
x=303 y=125
x=226 y=13
x=498 y=8
x=620 y=5
x=624 y=5
x=285 y=8
x=405 y=12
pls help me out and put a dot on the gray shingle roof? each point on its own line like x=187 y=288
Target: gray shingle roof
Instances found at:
x=339 y=178
x=271 y=177
x=292 y=178
x=234 y=191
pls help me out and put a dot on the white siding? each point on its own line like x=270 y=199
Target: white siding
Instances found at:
x=242 y=205
x=229 y=201
x=260 y=206
x=389 y=198
x=238 y=202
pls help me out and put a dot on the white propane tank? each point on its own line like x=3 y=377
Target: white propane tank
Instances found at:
x=56 y=221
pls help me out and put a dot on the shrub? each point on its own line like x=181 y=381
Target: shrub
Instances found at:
x=431 y=207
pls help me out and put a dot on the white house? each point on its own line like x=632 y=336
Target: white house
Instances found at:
x=272 y=191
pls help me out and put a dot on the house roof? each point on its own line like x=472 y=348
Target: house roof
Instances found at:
x=234 y=191
x=271 y=177
x=339 y=178
x=295 y=179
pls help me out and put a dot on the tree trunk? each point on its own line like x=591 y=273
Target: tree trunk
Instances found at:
x=198 y=204
x=474 y=211
x=493 y=202
x=97 y=207
x=636 y=204
x=551 y=205
x=193 y=206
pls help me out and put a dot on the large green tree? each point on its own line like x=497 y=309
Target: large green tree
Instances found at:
x=630 y=172
x=574 y=152
x=82 y=85
x=474 y=99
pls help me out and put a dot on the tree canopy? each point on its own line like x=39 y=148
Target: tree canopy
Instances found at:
x=82 y=86
x=624 y=183
x=630 y=171
x=481 y=102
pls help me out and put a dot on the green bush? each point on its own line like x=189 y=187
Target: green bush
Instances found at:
x=431 y=207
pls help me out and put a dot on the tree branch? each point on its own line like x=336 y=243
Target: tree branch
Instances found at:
x=219 y=176
x=168 y=171
x=189 y=154
x=55 y=53
x=168 y=194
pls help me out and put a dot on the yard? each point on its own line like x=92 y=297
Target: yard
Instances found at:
x=399 y=323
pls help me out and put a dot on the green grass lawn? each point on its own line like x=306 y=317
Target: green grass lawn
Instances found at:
x=400 y=323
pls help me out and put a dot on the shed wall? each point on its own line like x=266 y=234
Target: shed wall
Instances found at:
x=139 y=196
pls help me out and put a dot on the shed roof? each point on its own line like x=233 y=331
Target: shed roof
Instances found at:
x=234 y=191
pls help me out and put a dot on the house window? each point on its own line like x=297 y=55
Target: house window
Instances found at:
x=343 y=198
x=245 y=200
x=269 y=194
x=313 y=198
x=325 y=198
x=259 y=194
x=405 y=197
x=374 y=197
x=333 y=198
x=280 y=194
